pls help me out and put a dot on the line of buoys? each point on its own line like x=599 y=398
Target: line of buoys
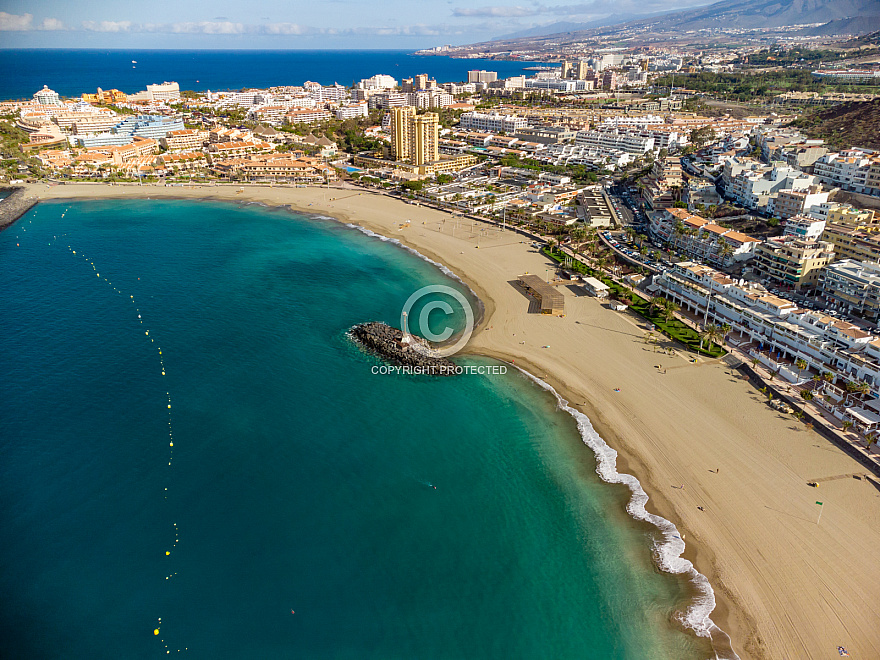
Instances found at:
x=170 y=426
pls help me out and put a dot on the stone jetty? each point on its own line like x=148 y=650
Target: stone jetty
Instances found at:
x=14 y=206
x=414 y=354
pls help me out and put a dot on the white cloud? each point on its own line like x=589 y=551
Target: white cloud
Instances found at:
x=496 y=12
x=287 y=28
x=597 y=7
x=107 y=26
x=205 y=27
x=15 y=23
x=51 y=24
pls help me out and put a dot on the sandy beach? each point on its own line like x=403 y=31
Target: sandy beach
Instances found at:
x=785 y=586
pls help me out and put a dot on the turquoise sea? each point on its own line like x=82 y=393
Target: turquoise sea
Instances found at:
x=311 y=508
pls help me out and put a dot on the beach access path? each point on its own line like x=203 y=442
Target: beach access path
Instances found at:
x=786 y=586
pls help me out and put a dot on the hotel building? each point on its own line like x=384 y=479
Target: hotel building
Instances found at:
x=773 y=330
x=860 y=244
x=492 y=123
x=792 y=262
x=699 y=238
x=854 y=287
x=414 y=138
x=185 y=140
x=147 y=126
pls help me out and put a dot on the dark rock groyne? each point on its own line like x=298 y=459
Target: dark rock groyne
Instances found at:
x=14 y=206
x=413 y=356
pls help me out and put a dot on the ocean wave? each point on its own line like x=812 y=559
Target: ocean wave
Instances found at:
x=443 y=269
x=667 y=553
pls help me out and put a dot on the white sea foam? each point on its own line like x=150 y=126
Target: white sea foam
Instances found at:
x=394 y=241
x=668 y=551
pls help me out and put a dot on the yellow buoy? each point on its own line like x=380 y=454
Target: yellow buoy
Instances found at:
x=156 y=631
x=169 y=405
x=167 y=553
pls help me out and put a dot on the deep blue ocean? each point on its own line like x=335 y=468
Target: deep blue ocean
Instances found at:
x=308 y=508
x=72 y=72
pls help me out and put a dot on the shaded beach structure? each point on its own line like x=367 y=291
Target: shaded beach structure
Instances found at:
x=552 y=300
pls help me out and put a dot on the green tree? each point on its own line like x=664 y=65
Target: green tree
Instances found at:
x=709 y=335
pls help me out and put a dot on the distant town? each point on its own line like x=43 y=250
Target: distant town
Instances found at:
x=735 y=216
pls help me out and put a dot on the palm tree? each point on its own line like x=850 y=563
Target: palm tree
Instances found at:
x=847 y=425
x=806 y=395
x=828 y=376
x=709 y=335
x=657 y=302
x=801 y=364
x=668 y=311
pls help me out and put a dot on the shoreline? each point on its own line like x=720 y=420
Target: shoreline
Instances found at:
x=731 y=613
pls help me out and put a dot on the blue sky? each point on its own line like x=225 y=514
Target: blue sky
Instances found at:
x=290 y=23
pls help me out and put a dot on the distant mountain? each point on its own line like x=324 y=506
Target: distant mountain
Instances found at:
x=745 y=14
x=565 y=26
x=836 y=16
x=855 y=25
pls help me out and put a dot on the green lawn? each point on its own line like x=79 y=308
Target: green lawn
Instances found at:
x=674 y=329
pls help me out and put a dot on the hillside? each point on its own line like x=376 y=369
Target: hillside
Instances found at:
x=767 y=13
x=824 y=17
x=845 y=125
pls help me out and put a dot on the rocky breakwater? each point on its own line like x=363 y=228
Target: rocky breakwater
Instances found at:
x=13 y=207
x=414 y=354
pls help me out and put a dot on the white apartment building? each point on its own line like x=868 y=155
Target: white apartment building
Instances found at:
x=387 y=100
x=268 y=114
x=573 y=154
x=185 y=140
x=789 y=203
x=643 y=121
x=47 y=97
x=556 y=84
x=306 y=116
x=456 y=88
x=482 y=76
x=434 y=98
x=353 y=111
x=167 y=91
x=853 y=286
x=754 y=182
x=700 y=238
x=774 y=330
x=847 y=169
x=379 y=81
x=492 y=123
x=804 y=227
x=614 y=140
x=332 y=93
x=82 y=124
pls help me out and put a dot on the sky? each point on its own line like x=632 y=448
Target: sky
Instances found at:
x=330 y=24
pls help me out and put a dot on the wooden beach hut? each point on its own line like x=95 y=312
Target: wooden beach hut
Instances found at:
x=552 y=301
